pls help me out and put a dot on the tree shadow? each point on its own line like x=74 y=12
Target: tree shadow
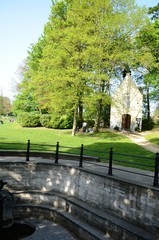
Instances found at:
x=124 y=153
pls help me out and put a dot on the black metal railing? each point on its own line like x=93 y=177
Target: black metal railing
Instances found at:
x=110 y=160
x=113 y=160
x=155 y=182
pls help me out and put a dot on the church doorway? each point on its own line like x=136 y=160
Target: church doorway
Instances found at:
x=126 y=121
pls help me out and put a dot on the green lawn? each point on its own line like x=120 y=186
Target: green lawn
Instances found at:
x=12 y=136
x=153 y=136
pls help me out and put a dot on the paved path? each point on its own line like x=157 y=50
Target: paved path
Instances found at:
x=139 y=139
x=47 y=230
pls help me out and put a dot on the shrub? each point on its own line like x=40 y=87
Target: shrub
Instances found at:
x=33 y=119
x=54 y=122
x=90 y=123
x=137 y=129
x=29 y=119
x=45 y=120
x=147 y=124
x=156 y=124
x=63 y=122
x=116 y=128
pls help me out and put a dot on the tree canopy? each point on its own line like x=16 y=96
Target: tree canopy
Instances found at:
x=154 y=12
x=148 y=53
x=84 y=46
x=5 y=105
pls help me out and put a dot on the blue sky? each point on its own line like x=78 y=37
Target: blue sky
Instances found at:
x=21 y=23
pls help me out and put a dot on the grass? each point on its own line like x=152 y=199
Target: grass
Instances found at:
x=153 y=136
x=13 y=136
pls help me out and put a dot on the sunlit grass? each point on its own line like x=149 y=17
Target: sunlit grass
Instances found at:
x=153 y=136
x=13 y=136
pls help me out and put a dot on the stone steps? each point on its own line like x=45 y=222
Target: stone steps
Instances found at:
x=87 y=221
x=78 y=228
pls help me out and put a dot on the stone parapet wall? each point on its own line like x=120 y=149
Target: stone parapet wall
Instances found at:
x=134 y=203
x=48 y=155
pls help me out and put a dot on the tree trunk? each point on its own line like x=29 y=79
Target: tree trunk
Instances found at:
x=148 y=101
x=80 y=115
x=74 y=122
x=97 y=122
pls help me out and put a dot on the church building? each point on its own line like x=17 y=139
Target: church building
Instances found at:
x=126 y=106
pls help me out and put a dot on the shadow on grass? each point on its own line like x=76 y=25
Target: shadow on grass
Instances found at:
x=132 y=156
x=103 y=135
x=126 y=154
x=23 y=146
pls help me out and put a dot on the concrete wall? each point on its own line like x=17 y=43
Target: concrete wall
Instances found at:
x=134 y=203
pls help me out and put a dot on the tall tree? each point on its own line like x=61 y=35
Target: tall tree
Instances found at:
x=84 y=43
x=5 y=105
x=25 y=100
x=148 y=42
x=154 y=12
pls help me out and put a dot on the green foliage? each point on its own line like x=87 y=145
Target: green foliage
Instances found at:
x=154 y=12
x=61 y=122
x=24 y=102
x=54 y=122
x=66 y=122
x=45 y=120
x=5 y=106
x=147 y=43
x=116 y=128
x=72 y=64
x=34 y=119
x=26 y=119
x=90 y=123
x=147 y=124
x=156 y=116
x=137 y=129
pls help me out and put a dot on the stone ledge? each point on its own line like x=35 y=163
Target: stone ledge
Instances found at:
x=104 y=221
x=47 y=155
x=80 y=229
x=123 y=199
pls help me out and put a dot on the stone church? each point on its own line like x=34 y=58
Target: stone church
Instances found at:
x=126 y=106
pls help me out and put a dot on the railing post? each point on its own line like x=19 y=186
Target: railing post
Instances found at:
x=28 y=151
x=81 y=157
x=110 y=161
x=57 y=153
x=155 y=182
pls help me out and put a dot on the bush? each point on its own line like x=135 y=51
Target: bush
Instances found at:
x=116 y=128
x=29 y=119
x=156 y=124
x=63 y=122
x=147 y=124
x=90 y=123
x=137 y=129
x=45 y=120
x=54 y=122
